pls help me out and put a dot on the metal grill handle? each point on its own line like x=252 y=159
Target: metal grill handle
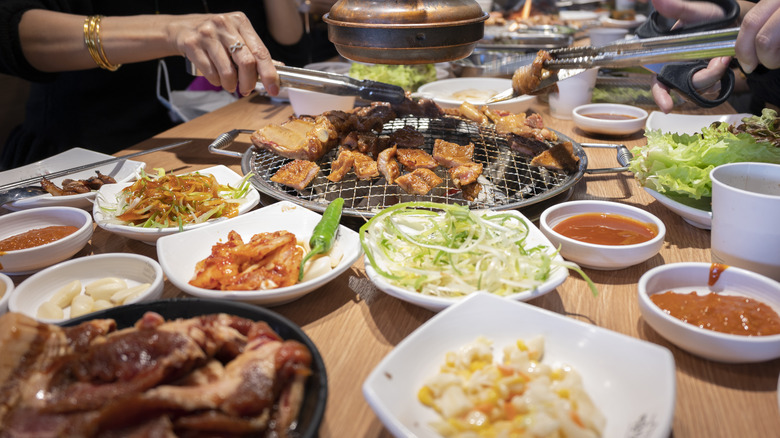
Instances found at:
x=624 y=156
x=226 y=139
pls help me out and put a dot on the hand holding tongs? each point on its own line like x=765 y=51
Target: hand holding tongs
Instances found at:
x=332 y=83
x=568 y=62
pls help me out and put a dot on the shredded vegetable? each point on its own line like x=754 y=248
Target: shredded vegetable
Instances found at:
x=176 y=200
x=451 y=251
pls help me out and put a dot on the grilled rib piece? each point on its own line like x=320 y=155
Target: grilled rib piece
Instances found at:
x=465 y=174
x=419 y=182
x=415 y=159
x=559 y=157
x=298 y=138
x=407 y=137
x=527 y=78
x=388 y=165
x=297 y=174
x=450 y=154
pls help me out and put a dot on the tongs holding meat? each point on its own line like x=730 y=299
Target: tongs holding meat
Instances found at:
x=548 y=67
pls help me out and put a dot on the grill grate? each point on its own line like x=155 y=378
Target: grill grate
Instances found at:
x=508 y=180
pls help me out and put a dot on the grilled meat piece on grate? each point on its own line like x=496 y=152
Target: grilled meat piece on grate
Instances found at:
x=419 y=182
x=297 y=174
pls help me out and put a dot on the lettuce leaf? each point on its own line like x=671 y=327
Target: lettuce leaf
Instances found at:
x=409 y=77
x=679 y=165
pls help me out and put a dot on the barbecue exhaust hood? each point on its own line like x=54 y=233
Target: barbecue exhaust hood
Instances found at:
x=405 y=31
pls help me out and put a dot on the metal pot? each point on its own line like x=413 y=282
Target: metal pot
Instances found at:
x=405 y=31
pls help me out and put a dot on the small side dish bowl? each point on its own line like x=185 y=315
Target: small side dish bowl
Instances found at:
x=26 y=261
x=179 y=253
x=609 y=118
x=312 y=103
x=451 y=93
x=709 y=344
x=597 y=256
x=135 y=269
x=105 y=205
x=6 y=288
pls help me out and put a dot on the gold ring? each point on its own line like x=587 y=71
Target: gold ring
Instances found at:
x=236 y=46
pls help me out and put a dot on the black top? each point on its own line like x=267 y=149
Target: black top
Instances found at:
x=108 y=111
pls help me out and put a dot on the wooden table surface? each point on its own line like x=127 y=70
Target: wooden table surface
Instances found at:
x=355 y=325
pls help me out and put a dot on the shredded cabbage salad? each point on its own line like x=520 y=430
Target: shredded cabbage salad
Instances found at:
x=451 y=251
x=164 y=201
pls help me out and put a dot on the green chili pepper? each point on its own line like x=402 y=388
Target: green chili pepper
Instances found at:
x=324 y=233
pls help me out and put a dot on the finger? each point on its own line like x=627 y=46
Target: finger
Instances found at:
x=768 y=39
x=263 y=66
x=688 y=12
x=662 y=97
x=747 y=44
x=711 y=75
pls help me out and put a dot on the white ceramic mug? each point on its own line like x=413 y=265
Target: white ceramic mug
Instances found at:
x=572 y=92
x=600 y=36
x=746 y=217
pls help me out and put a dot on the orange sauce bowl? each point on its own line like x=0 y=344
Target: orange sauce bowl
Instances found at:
x=601 y=234
x=731 y=282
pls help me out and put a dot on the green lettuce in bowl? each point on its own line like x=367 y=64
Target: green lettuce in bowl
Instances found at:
x=678 y=165
x=408 y=77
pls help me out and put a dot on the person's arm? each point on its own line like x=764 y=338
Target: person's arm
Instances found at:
x=54 y=41
x=284 y=21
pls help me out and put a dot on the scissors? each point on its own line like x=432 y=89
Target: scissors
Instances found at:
x=658 y=43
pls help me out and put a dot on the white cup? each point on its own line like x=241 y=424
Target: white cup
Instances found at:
x=311 y=103
x=572 y=92
x=745 y=217
x=487 y=5
x=600 y=36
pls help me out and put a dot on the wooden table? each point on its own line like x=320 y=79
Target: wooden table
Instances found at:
x=355 y=325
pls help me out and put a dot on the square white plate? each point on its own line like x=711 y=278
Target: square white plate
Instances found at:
x=107 y=196
x=688 y=123
x=121 y=171
x=558 y=275
x=179 y=253
x=631 y=381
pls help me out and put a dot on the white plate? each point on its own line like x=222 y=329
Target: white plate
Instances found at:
x=535 y=237
x=107 y=195
x=688 y=123
x=624 y=24
x=121 y=171
x=179 y=253
x=631 y=381
x=698 y=218
x=443 y=93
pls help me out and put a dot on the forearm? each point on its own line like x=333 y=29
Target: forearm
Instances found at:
x=284 y=21
x=54 y=41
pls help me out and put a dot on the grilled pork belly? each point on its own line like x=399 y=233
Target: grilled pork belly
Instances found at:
x=365 y=167
x=419 y=182
x=388 y=165
x=298 y=138
x=527 y=78
x=415 y=159
x=452 y=154
x=297 y=174
x=465 y=174
x=471 y=191
x=559 y=157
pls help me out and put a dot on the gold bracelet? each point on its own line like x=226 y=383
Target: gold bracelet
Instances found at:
x=94 y=45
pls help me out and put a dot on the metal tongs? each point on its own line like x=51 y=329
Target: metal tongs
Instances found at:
x=331 y=83
x=571 y=61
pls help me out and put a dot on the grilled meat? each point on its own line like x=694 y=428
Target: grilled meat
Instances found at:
x=365 y=167
x=465 y=174
x=418 y=108
x=450 y=154
x=527 y=78
x=559 y=157
x=471 y=191
x=407 y=137
x=298 y=138
x=415 y=159
x=75 y=187
x=388 y=165
x=297 y=174
x=419 y=182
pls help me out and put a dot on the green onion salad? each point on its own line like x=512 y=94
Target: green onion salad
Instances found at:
x=450 y=251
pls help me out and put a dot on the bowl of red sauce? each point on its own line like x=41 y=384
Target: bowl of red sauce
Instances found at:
x=602 y=234
x=31 y=240
x=718 y=312
x=609 y=118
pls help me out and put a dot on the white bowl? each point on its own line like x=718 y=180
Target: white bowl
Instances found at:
x=6 y=288
x=443 y=92
x=133 y=268
x=634 y=388
x=179 y=253
x=341 y=68
x=25 y=261
x=688 y=123
x=106 y=201
x=558 y=274
x=121 y=171
x=721 y=347
x=694 y=216
x=595 y=256
x=312 y=103
x=609 y=127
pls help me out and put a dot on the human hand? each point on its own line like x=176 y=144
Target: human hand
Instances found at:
x=226 y=49
x=706 y=81
x=758 y=41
